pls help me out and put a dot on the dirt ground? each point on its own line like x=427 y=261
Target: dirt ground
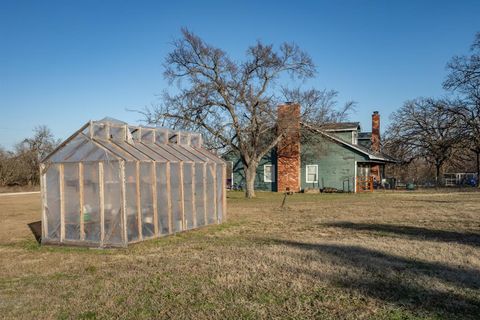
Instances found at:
x=325 y=256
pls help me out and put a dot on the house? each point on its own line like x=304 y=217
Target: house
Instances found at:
x=336 y=156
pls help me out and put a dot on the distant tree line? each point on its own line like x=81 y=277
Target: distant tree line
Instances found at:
x=20 y=166
x=441 y=132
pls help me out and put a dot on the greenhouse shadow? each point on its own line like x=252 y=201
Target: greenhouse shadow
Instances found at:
x=36 y=228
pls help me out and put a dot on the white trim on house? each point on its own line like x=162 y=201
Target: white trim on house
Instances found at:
x=316 y=173
x=270 y=178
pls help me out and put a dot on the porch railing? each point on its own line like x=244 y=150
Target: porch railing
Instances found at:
x=364 y=184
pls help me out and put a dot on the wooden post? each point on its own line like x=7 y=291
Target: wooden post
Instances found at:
x=169 y=198
x=154 y=198
x=182 y=200
x=224 y=193
x=205 y=193
x=107 y=131
x=194 y=209
x=214 y=174
x=139 y=206
x=123 y=203
x=101 y=195
x=62 y=202
x=80 y=192
x=43 y=190
x=90 y=129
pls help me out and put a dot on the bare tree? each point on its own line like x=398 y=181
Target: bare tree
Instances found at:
x=464 y=79
x=21 y=166
x=6 y=171
x=422 y=128
x=319 y=106
x=232 y=101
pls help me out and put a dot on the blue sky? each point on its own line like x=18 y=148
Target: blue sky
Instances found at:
x=65 y=62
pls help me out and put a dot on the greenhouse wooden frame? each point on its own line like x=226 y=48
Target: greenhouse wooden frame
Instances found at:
x=111 y=184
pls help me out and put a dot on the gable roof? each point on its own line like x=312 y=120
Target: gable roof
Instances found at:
x=374 y=156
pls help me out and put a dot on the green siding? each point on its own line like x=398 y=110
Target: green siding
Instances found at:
x=344 y=135
x=336 y=163
x=260 y=184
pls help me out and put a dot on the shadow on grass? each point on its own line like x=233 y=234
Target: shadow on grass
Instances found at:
x=469 y=238
x=395 y=279
x=36 y=228
x=462 y=201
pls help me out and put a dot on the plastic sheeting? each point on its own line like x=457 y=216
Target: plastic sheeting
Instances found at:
x=200 y=195
x=111 y=184
x=72 y=201
x=177 y=197
x=188 y=196
x=163 y=200
x=220 y=188
x=52 y=208
x=91 y=202
x=211 y=194
x=113 y=204
x=131 y=201
x=146 y=199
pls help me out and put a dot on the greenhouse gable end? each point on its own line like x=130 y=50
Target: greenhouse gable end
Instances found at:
x=111 y=184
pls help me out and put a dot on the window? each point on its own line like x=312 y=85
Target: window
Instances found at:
x=312 y=173
x=268 y=173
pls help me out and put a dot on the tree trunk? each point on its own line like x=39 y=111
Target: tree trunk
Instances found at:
x=478 y=169
x=437 y=176
x=250 y=173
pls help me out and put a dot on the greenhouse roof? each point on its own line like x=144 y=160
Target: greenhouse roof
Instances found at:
x=114 y=140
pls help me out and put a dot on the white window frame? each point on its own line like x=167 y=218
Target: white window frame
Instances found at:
x=272 y=177
x=306 y=172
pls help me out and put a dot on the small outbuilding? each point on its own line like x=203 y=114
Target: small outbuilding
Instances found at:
x=111 y=184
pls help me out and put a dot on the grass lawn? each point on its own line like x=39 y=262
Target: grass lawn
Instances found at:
x=325 y=256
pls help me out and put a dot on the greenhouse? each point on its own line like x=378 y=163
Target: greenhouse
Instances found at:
x=111 y=184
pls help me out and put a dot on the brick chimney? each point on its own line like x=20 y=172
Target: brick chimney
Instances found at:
x=375 y=147
x=288 y=149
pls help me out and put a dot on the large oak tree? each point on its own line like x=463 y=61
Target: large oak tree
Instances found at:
x=234 y=102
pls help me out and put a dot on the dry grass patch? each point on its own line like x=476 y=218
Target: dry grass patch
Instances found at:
x=382 y=255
